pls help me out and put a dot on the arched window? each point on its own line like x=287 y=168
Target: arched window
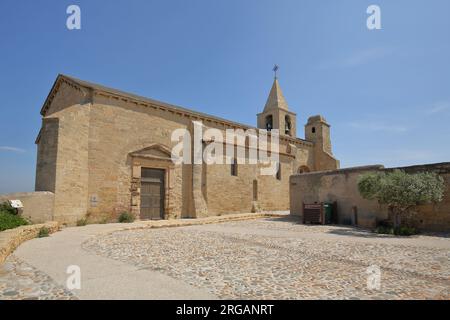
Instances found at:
x=303 y=169
x=287 y=125
x=269 y=123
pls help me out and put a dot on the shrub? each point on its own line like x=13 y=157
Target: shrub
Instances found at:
x=399 y=231
x=10 y=221
x=43 y=232
x=126 y=217
x=384 y=230
x=6 y=207
x=81 y=222
x=384 y=223
x=401 y=191
x=405 y=231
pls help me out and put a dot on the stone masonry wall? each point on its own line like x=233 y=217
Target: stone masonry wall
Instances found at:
x=37 y=206
x=341 y=186
x=11 y=239
x=91 y=170
x=47 y=149
x=71 y=107
x=118 y=129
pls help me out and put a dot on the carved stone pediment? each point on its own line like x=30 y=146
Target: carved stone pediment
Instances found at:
x=155 y=151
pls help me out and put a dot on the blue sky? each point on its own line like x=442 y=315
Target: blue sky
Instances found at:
x=386 y=92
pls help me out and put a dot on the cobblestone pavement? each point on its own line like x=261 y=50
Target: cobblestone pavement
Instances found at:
x=280 y=259
x=20 y=281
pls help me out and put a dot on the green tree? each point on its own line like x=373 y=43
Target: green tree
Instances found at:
x=401 y=191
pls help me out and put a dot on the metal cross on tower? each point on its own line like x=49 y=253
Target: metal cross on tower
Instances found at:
x=275 y=69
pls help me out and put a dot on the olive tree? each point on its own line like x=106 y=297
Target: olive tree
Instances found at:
x=401 y=191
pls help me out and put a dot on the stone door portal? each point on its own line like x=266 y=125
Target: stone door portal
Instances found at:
x=152 y=194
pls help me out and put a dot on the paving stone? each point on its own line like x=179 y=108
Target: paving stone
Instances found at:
x=261 y=259
x=20 y=281
x=254 y=265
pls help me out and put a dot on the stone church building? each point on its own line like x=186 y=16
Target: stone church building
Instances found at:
x=102 y=151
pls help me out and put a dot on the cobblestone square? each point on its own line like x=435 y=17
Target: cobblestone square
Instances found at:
x=268 y=258
x=281 y=259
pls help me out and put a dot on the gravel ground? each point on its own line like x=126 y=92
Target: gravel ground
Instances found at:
x=280 y=259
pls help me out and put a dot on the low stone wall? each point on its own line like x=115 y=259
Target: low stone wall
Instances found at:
x=149 y=224
x=37 y=206
x=341 y=186
x=12 y=238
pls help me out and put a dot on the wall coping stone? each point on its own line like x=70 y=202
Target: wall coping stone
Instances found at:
x=442 y=167
x=339 y=171
x=9 y=196
x=147 y=224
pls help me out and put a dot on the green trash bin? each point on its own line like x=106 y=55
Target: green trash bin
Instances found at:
x=328 y=208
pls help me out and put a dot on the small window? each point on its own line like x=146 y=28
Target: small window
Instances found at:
x=279 y=171
x=269 y=123
x=313 y=130
x=234 y=167
x=303 y=169
x=287 y=125
x=255 y=190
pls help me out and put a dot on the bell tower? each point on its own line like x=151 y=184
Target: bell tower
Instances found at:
x=276 y=114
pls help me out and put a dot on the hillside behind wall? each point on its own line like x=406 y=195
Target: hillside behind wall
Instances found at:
x=341 y=186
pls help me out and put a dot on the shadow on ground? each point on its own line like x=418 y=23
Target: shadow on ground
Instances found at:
x=346 y=230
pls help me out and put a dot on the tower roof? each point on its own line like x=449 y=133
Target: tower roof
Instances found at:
x=276 y=99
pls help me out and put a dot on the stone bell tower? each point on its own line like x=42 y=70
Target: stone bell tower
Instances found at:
x=276 y=114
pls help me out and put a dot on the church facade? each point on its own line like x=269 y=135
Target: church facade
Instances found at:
x=102 y=152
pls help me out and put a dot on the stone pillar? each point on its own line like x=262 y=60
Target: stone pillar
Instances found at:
x=136 y=191
x=200 y=206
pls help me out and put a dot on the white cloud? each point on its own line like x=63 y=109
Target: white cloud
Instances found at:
x=438 y=107
x=357 y=58
x=11 y=149
x=378 y=126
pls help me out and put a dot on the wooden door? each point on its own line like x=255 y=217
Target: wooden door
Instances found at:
x=152 y=194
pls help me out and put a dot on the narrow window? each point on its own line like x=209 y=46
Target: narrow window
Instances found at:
x=255 y=190
x=234 y=165
x=269 y=123
x=287 y=125
x=313 y=129
x=279 y=171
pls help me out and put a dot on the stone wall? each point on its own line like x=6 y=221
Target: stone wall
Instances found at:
x=37 y=206
x=434 y=216
x=118 y=129
x=12 y=238
x=341 y=186
x=47 y=150
x=95 y=175
x=71 y=107
x=88 y=155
